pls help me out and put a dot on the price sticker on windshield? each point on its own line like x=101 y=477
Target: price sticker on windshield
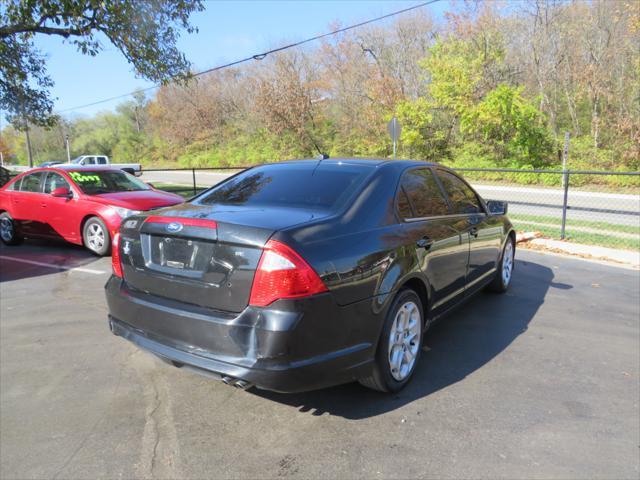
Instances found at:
x=81 y=177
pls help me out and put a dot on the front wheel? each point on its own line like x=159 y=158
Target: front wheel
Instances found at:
x=504 y=274
x=400 y=344
x=9 y=233
x=96 y=236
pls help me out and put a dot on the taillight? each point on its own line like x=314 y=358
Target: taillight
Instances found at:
x=282 y=273
x=116 y=265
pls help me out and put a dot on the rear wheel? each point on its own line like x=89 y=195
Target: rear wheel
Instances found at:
x=504 y=274
x=399 y=348
x=9 y=233
x=96 y=236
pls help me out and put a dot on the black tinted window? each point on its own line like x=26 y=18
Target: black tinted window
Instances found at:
x=404 y=207
x=53 y=181
x=31 y=182
x=424 y=193
x=460 y=195
x=324 y=187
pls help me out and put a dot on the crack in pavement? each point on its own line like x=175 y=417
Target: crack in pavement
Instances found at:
x=159 y=456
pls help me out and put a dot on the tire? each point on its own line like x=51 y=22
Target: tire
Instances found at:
x=95 y=236
x=504 y=275
x=386 y=378
x=9 y=233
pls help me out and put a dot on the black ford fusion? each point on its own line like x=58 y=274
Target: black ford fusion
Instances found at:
x=305 y=274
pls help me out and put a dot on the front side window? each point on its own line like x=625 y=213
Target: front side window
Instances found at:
x=106 y=181
x=424 y=194
x=53 y=181
x=463 y=199
x=31 y=182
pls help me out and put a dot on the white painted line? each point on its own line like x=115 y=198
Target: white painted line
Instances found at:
x=52 y=265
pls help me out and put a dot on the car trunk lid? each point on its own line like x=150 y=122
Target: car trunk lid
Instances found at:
x=205 y=256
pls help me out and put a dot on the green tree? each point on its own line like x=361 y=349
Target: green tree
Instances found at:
x=145 y=32
x=509 y=123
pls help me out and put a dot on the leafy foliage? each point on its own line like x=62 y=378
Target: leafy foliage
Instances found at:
x=145 y=32
x=484 y=88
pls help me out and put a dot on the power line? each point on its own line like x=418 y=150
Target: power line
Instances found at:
x=261 y=56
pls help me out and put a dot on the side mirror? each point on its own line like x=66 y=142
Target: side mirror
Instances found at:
x=62 y=192
x=497 y=207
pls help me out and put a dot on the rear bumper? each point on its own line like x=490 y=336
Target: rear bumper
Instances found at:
x=291 y=346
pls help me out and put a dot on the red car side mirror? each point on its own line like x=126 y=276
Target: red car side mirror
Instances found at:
x=61 y=192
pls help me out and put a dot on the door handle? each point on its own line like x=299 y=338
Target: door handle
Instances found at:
x=473 y=231
x=43 y=205
x=425 y=242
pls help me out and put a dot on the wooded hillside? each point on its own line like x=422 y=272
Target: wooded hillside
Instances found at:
x=491 y=85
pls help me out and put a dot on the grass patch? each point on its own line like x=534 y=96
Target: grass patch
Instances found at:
x=586 y=238
x=182 y=190
x=612 y=227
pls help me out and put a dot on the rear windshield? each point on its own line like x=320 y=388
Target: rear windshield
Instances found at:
x=106 y=181
x=324 y=187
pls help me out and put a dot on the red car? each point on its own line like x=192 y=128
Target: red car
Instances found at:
x=83 y=205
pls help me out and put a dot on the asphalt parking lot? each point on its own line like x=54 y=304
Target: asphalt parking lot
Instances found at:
x=542 y=382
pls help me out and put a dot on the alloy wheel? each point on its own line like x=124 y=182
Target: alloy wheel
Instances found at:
x=404 y=340
x=6 y=229
x=95 y=237
x=507 y=264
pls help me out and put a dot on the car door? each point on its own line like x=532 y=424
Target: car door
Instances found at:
x=26 y=204
x=483 y=233
x=60 y=214
x=435 y=236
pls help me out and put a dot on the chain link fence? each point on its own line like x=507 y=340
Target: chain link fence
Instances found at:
x=590 y=207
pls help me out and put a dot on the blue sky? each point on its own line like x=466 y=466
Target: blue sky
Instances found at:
x=228 y=30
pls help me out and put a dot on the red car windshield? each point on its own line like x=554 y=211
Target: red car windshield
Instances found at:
x=96 y=182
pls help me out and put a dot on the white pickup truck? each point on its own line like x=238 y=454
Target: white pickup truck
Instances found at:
x=132 y=168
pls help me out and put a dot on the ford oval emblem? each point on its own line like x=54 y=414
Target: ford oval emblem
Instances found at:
x=174 y=227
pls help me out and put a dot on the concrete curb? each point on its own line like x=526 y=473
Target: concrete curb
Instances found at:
x=532 y=241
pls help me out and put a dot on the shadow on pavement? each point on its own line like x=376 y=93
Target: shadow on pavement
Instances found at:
x=51 y=252
x=457 y=346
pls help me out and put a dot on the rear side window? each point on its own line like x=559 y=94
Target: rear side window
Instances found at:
x=404 y=207
x=31 y=182
x=15 y=185
x=424 y=194
x=102 y=160
x=307 y=186
x=463 y=199
x=53 y=181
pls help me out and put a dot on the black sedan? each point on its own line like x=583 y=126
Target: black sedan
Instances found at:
x=305 y=274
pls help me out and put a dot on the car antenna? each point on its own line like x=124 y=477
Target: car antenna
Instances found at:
x=322 y=156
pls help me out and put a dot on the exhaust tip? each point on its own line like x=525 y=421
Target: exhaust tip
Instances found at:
x=237 y=382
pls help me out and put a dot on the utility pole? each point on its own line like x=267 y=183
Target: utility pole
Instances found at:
x=29 y=153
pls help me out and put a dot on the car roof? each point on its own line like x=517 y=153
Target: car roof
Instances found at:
x=90 y=168
x=371 y=162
